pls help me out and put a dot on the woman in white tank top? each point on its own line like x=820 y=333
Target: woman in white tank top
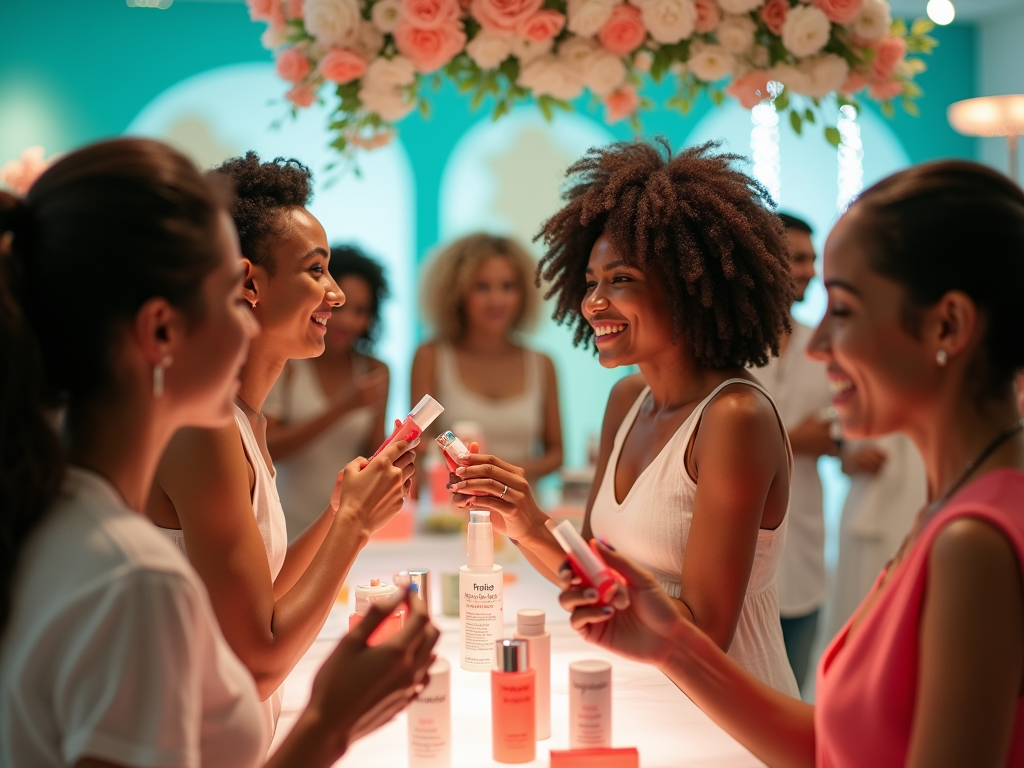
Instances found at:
x=674 y=265
x=214 y=492
x=478 y=293
x=325 y=411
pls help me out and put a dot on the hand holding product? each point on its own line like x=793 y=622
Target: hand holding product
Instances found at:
x=486 y=482
x=419 y=418
x=588 y=565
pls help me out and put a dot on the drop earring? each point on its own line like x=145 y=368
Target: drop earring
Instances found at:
x=158 y=376
x=941 y=357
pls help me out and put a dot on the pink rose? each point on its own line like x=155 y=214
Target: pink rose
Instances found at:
x=293 y=9
x=341 y=66
x=885 y=91
x=301 y=95
x=542 y=26
x=854 y=83
x=889 y=52
x=429 y=14
x=22 y=173
x=773 y=14
x=429 y=49
x=708 y=16
x=262 y=10
x=840 y=11
x=750 y=89
x=504 y=15
x=620 y=103
x=292 y=65
x=373 y=141
x=624 y=31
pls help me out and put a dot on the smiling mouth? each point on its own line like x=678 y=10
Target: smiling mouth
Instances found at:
x=607 y=332
x=320 y=320
x=840 y=387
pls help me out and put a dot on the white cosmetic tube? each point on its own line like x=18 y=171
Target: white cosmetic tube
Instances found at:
x=590 y=704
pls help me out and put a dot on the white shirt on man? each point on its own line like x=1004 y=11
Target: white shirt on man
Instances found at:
x=800 y=389
x=112 y=650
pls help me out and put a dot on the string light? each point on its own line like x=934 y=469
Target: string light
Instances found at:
x=162 y=5
x=849 y=157
x=764 y=143
x=941 y=11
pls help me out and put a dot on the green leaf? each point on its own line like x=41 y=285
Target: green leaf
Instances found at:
x=717 y=96
x=888 y=110
x=782 y=100
x=832 y=136
x=544 y=102
x=910 y=108
x=809 y=115
x=796 y=122
x=922 y=26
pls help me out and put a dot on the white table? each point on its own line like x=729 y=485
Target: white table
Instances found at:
x=648 y=712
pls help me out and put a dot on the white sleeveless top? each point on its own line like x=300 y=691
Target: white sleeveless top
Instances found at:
x=652 y=524
x=266 y=505
x=513 y=427
x=306 y=479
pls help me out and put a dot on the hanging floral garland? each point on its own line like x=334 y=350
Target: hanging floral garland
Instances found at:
x=379 y=56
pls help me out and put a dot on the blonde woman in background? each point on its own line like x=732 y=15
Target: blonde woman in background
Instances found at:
x=479 y=295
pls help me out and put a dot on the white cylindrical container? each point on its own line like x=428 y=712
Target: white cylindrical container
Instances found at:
x=430 y=721
x=481 y=582
x=530 y=627
x=590 y=704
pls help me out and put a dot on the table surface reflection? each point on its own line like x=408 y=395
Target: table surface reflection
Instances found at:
x=648 y=712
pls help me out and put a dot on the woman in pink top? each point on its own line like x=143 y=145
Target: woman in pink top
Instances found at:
x=923 y=333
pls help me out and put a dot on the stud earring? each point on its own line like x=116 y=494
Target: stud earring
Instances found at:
x=941 y=357
x=158 y=376
x=255 y=303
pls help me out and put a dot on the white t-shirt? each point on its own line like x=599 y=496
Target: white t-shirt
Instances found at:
x=112 y=649
x=799 y=387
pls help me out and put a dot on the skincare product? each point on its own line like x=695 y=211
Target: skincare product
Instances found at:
x=512 y=703
x=587 y=564
x=481 y=617
x=590 y=704
x=623 y=757
x=419 y=419
x=453 y=450
x=430 y=721
x=375 y=592
x=530 y=627
x=450 y=594
x=418 y=581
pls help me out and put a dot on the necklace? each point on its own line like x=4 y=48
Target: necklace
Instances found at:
x=929 y=511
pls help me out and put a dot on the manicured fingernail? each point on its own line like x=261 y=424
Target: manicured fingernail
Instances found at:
x=461 y=471
x=605 y=542
x=453 y=487
x=590 y=594
x=607 y=610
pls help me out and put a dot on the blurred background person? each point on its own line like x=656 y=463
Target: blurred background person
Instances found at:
x=479 y=296
x=800 y=389
x=325 y=411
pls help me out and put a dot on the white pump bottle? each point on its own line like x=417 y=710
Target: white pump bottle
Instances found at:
x=481 y=616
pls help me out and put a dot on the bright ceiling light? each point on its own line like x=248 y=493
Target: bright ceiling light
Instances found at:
x=941 y=11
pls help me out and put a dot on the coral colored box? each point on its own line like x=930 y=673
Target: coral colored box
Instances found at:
x=620 y=757
x=398 y=527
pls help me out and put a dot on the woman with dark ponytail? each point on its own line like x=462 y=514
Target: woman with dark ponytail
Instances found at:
x=110 y=653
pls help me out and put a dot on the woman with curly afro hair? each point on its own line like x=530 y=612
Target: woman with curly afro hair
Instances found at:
x=678 y=265
x=215 y=494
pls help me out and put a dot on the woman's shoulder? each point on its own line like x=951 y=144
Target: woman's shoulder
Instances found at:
x=374 y=364
x=622 y=396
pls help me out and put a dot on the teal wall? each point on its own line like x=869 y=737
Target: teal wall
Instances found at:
x=103 y=62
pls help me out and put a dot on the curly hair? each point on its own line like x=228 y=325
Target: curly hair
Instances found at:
x=262 y=192
x=451 y=272
x=348 y=260
x=702 y=226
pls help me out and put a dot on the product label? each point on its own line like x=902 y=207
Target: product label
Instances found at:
x=481 y=613
x=590 y=708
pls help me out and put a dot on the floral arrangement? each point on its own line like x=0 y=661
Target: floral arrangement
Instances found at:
x=380 y=55
x=20 y=174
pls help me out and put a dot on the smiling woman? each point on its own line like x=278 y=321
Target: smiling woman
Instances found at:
x=215 y=494
x=676 y=265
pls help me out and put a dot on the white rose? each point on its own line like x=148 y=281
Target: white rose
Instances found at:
x=274 y=37
x=369 y=41
x=710 y=63
x=586 y=17
x=736 y=33
x=677 y=68
x=384 y=14
x=384 y=73
x=873 y=22
x=604 y=73
x=527 y=50
x=576 y=53
x=488 y=50
x=548 y=76
x=739 y=6
x=392 y=104
x=806 y=30
x=333 y=22
x=643 y=61
x=760 y=57
x=669 y=21
x=817 y=77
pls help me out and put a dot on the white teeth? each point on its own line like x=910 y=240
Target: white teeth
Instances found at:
x=604 y=330
x=839 y=386
x=321 y=320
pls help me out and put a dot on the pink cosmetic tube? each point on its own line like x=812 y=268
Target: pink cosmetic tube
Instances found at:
x=624 y=757
x=453 y=449
x=587 y=564
x=419 y=419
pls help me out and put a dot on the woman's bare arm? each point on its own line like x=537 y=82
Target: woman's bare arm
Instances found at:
x=552 y=457
x=422 y=381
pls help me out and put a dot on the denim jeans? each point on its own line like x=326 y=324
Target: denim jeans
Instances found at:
x=798 y=633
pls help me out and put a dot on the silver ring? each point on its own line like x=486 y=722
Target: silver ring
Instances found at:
x=503 y=492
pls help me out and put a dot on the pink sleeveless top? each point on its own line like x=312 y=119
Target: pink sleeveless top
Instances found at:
x=865 y=694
